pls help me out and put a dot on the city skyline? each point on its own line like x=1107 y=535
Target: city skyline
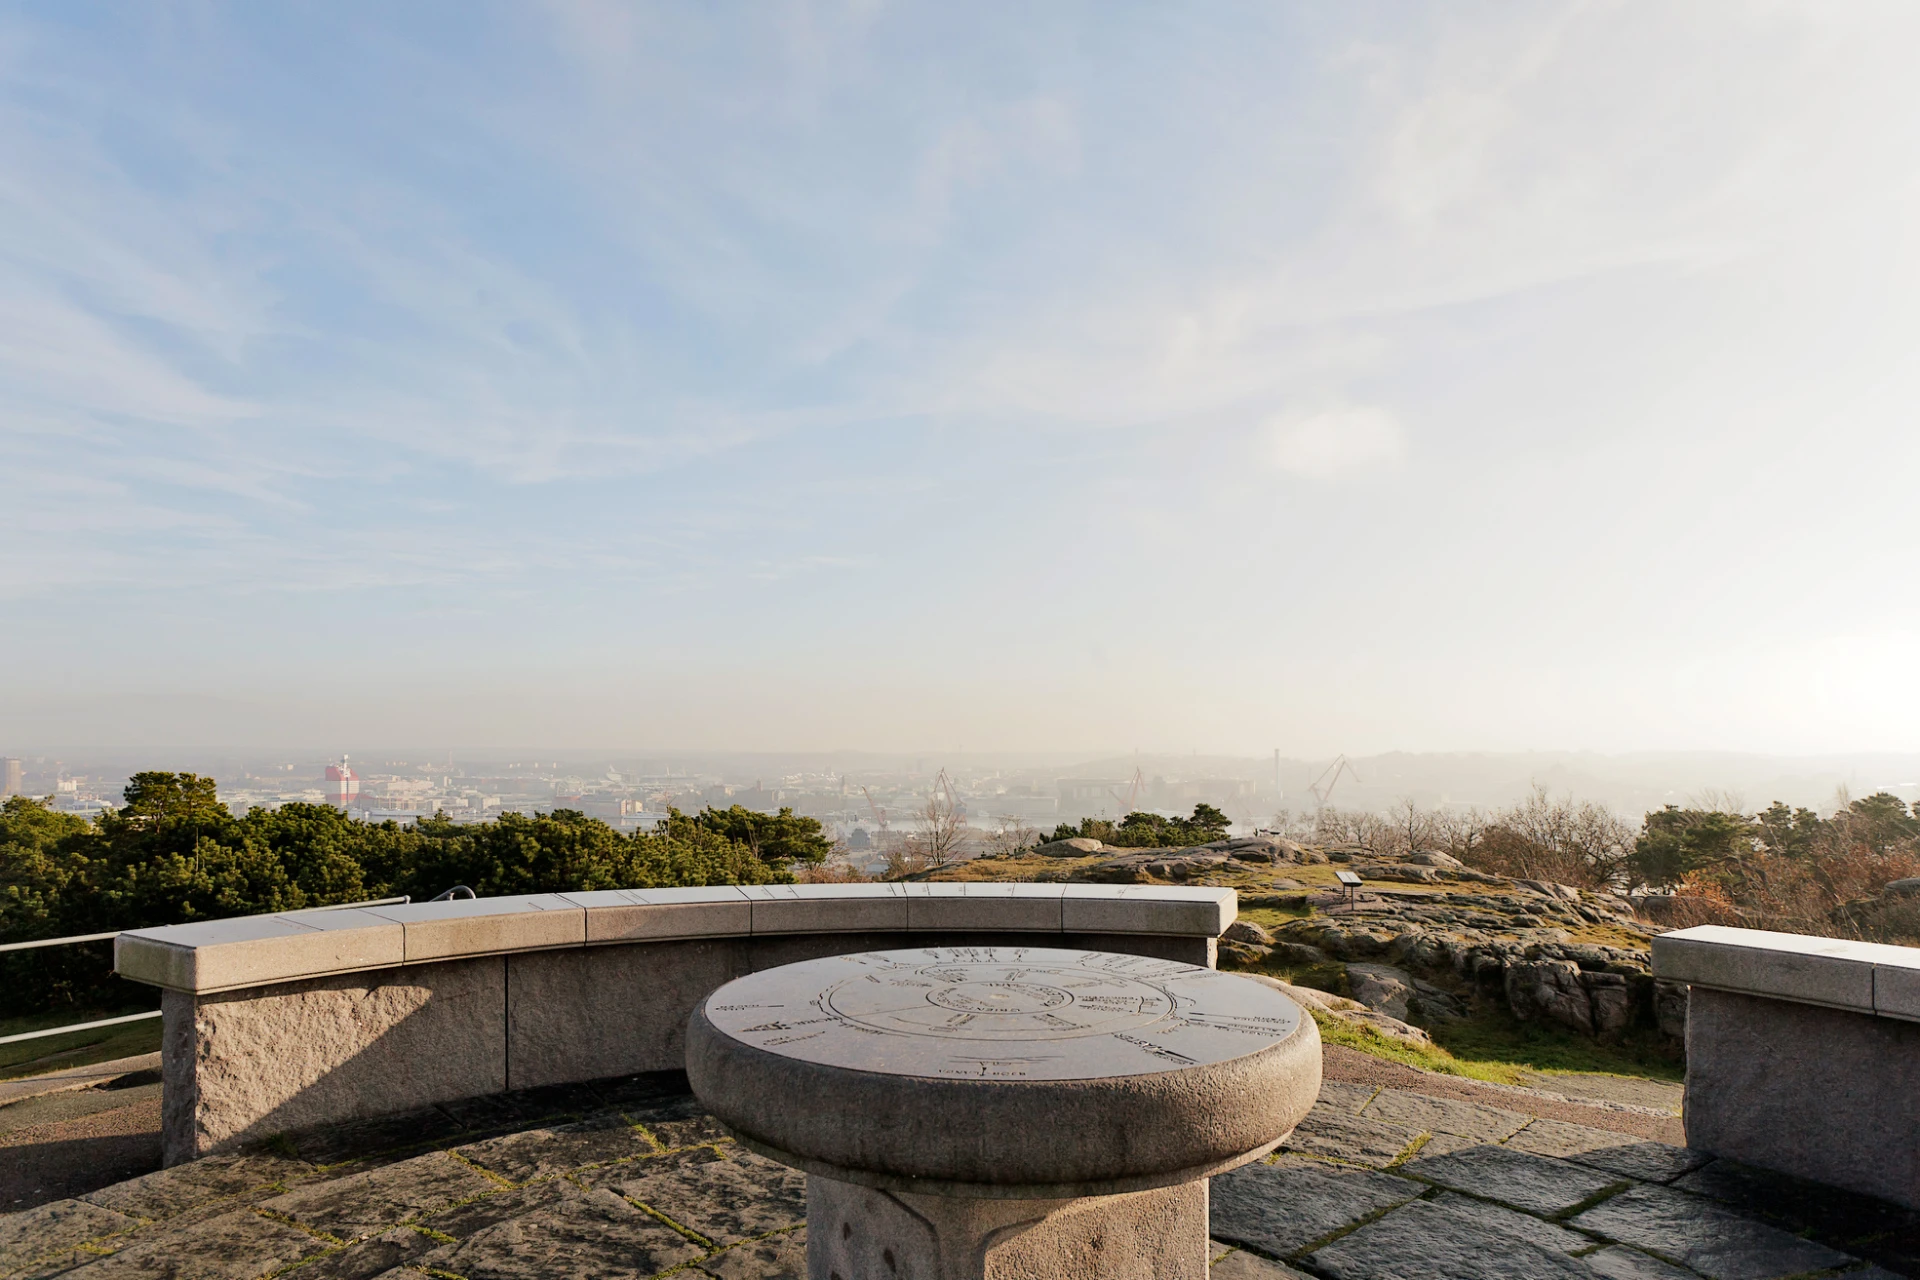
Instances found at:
x=1417 y=377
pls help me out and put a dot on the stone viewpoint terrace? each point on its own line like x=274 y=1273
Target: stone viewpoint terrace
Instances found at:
x=1394 y=1172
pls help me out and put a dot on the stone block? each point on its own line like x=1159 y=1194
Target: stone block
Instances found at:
x=1821 y=1093
x=979 y=905
x=243 y=1065
x=1144 y=1235
x=595 y=1012
x=1203 y=951
x=1783 y=966
x=488 y=926
x=221 y=955
x=1197 y=911
x=827 y=908
x=641 y=915
x=1896 y=985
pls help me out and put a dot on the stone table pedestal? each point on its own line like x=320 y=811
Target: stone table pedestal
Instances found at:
x=1004 y=1112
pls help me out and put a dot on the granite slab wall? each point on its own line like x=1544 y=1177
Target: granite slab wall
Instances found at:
x=1823 y=1093
x=243 y=1064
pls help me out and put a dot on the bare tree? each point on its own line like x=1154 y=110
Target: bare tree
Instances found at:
x=944 y=834
x=1414 y=829
x=1014 y=834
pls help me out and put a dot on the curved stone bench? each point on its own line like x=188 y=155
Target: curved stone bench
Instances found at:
x=307 y=1018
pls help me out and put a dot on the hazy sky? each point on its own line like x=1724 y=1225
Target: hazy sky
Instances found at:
x=1324 y=377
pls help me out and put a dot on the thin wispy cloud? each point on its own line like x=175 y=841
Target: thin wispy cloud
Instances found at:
x=916 y=336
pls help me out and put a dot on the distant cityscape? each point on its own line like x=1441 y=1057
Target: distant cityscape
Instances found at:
x=854 y=808
x=867 y=800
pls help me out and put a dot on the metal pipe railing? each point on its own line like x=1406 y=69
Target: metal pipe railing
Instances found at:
x=141 y=1017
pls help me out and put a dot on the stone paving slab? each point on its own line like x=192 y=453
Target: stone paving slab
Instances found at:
x=1424 y=1241
x=365 y=1204
x=550 y=1151
x=1284 y=1207
x=1238 y=1264
x=1527 y=1227
x=201 y=1183
x=1327 y=1131
x=1617 y=1262
x=633 y=1179
x=1444 y=1115
x=1346 y=1097
x=387 y=1254
x=1704 y=1236
x=781 y=1257
x=724 y=1201
x=1517 y=1179
x=237 y=1245
x=576 y=1232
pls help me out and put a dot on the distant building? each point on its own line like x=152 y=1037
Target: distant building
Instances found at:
x=13 y=783
x=343 y=786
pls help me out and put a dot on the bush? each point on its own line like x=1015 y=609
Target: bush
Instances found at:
x=175 y=854
x=1140 y=830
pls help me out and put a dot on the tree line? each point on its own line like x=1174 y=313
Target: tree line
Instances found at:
x=1711 y=862
x=175 y=854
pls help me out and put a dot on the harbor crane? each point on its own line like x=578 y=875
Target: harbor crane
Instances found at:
x=879 y=814
x=1323 y=786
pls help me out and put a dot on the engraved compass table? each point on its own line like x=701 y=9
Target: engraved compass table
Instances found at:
x=1004 y=1112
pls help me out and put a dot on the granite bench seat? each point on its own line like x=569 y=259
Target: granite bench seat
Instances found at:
x=277 y=1022
x=1803 y=1054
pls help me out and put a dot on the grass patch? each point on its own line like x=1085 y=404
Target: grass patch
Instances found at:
x=1273 y=917
x=78 y=1049
x=1495 y=1036
x=1352 y=1035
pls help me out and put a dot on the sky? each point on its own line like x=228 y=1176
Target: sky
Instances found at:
x=1361 y=377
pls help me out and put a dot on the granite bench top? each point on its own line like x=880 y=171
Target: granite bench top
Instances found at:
x=248 y=951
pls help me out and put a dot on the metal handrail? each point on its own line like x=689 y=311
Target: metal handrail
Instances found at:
x=102 y=937
x=141 y=1017
x=78 y=1026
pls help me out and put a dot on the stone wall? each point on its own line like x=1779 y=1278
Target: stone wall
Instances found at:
x=245 y=1060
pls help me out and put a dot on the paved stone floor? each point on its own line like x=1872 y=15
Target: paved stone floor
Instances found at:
x=631 y=1179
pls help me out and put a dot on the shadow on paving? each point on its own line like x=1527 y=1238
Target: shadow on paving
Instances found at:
x=1377 y=1187
x=630 y=1178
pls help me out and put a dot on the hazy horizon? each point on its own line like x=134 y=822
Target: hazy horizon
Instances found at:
x=1098 y=378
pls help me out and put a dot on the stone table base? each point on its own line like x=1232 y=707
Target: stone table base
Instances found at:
x=860 y=1233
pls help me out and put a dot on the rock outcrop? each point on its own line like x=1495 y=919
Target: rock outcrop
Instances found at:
x=1345 y=1010
x=1515 y=946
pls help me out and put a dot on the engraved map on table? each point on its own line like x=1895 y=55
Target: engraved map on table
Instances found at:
x=1002 y=1013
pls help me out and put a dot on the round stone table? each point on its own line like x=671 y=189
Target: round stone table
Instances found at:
x=1004 y=1111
